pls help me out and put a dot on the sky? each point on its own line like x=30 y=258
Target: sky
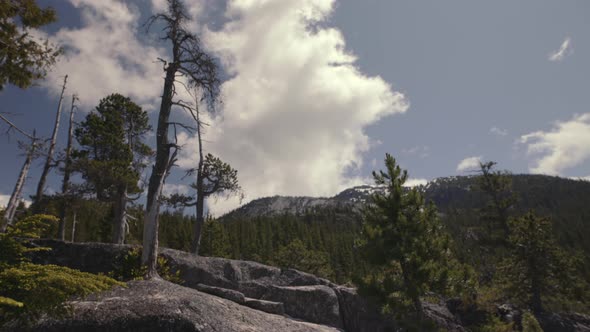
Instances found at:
x=317 y=91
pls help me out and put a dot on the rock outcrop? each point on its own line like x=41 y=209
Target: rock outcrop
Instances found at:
x=158 y=305
x=299 y=295
x=249 y=286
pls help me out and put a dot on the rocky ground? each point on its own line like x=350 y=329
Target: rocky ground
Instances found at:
x=158 y=305
x=230 y=295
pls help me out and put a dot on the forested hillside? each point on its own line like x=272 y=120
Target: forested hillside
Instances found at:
x=324 y=234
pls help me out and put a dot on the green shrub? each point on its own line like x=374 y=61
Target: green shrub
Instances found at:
x=530 y=323
x=31 y=289
x=495 y=324
x=12 y=242
x=128 y=267
x=27 y=290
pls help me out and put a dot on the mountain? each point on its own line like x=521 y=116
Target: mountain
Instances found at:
x=564 y=200
x=299 y=205
x=547 y=193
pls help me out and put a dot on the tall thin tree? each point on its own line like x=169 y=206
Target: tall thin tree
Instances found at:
x=192 y=63
x=20 y=182
x=214 y=177
x=67 y=173
x=51 y=150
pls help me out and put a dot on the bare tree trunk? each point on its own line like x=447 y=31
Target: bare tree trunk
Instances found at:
x=159 y=170
x=120 y=217
x=196 y=242
x=74 y=226
x=189 y=61
x=67 y=172
x=17 y=192
x=49 y=160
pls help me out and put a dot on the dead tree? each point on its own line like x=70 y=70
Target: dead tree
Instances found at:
x=20 y=182
x=189 y=62
x=214 y=177
x=74 y=227
x=51 y=150
x=67 y=173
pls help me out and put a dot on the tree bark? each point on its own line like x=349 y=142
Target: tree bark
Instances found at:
x=74 y=227
x=151 y=221
x=120 y=217
x=49 y=160
x=200 y=220
x=67 y=172
x=17 y=192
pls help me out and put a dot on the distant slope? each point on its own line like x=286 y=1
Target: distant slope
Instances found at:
x=279 y=205
x=566 y=201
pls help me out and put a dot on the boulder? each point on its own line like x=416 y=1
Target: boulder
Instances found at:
x=317 y=303
x=157 y=305
x=360 y=315
x=267 y=306
x=552 y=322
x=442 y=317
x=509 y=313
x=228 y=294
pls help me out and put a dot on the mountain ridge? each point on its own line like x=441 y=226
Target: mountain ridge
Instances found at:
x=355 y=196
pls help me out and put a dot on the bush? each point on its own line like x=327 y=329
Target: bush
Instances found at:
x=33 y=289
x=530 y=323
x=28 y=290
x=128 y=267
x=495 y=324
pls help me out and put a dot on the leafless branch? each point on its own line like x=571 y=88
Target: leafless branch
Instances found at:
x=13 y=126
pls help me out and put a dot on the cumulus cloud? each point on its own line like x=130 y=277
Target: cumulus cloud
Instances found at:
x=415 y=182
x=566 y=145
x=105 y=55
x=295 y=109
x=498 y=132
x=469 y=164
x=564 y=50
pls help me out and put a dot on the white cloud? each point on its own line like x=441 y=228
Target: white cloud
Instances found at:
x=415 y=182
x=175 y=188
x=498 y=132
x=564 y=50
x=296 y=106
x=5 y=198
x=374 y=163
x=420 y=151
x=159 y=6
x=565 y=146
x=105 y=55
x=469 y=164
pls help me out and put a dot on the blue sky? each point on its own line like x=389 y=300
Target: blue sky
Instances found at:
x=319 y=90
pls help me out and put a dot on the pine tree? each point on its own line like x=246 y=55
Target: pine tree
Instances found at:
x=112 y=154
x=497 y=186
x=23 y=59
x=537 y=267
x=404 y=243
